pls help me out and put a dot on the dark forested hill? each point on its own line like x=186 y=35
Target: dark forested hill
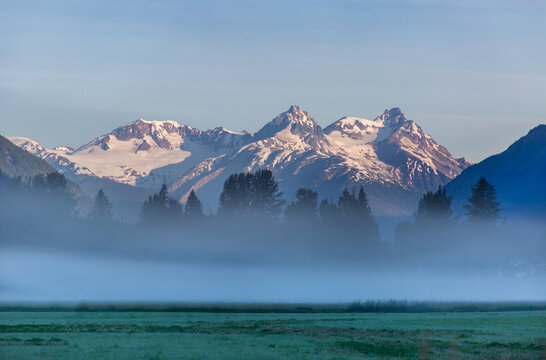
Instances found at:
x=518 y=173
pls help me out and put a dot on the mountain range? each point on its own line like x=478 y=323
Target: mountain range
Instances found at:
x=390 y=156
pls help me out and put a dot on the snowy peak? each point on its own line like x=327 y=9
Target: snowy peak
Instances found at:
x=293 y=130
x=295 y=120
x=222 y=138
x=392 y=117
x=355 y=129
x=154 y=134
x=32 y=146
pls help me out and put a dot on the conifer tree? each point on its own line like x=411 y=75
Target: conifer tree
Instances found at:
x=52 y=189
x=482 y=205
x=161 y=208
x=255 y=194
x=365 y=212
x=236 y=195
x=193 y=208
x=328 y=212
x=102 y=208
x=434 y=208
x=266 y=199
x=305 y=206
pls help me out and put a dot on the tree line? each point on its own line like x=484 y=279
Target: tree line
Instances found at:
x=255 y=198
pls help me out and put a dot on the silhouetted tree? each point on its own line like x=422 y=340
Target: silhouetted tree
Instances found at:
x=364 y=210
x=235 y=197
x=434 y=208
x=347 y=205
x=52 y=189
x=161 y=208
x=102 y=208
x=482 y=205
x=305 y=206
x=266 y=199
x=328 y=212
x=254 y=194
x=193 y=208
x=356 y=215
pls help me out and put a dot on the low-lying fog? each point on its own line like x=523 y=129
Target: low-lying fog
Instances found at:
x=37 y=275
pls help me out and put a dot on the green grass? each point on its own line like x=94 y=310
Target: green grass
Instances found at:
x=233 y=335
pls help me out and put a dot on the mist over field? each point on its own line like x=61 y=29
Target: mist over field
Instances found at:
x=267 y=263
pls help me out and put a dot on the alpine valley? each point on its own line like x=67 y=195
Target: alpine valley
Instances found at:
x=390 y=156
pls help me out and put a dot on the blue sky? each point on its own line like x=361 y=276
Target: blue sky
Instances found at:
x=471 y=73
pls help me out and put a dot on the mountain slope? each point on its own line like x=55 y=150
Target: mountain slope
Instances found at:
x=15 y=161
x=518 y=174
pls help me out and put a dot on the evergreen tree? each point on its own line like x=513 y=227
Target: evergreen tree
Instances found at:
x=193 y=208
x=347 y=205
x=102 y=208
x=235 y=197
x=266 y=198
x=434 y=208
x=305 y=206
x=482 y=205
x=161 y=208
x=356 y=215
x=328 y=212
x=254 y=194
x=52 y=189
x=364 y=210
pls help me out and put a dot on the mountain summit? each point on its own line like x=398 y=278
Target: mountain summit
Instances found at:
x=390 y=156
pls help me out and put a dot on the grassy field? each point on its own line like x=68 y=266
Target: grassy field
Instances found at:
x=194 y=335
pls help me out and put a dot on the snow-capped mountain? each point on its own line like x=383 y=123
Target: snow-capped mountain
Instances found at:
x=130 y=153
x=390 y=155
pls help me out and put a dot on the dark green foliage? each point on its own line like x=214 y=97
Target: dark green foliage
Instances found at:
x=193 y=208
x=161 y=208
x=255 y=194
x=482 y=205
x=305 y=206
x=434 y=207
x=102 y=208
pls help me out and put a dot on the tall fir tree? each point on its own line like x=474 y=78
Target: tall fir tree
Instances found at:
x=251 y=194
x=266 y=199
x=102 y=208
x=328 y=212
x=304 y=208
x=161 y=208
x=434 y=208
x=364 y=211
x=193 y=209
x=236 y=195
x=482 y=205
